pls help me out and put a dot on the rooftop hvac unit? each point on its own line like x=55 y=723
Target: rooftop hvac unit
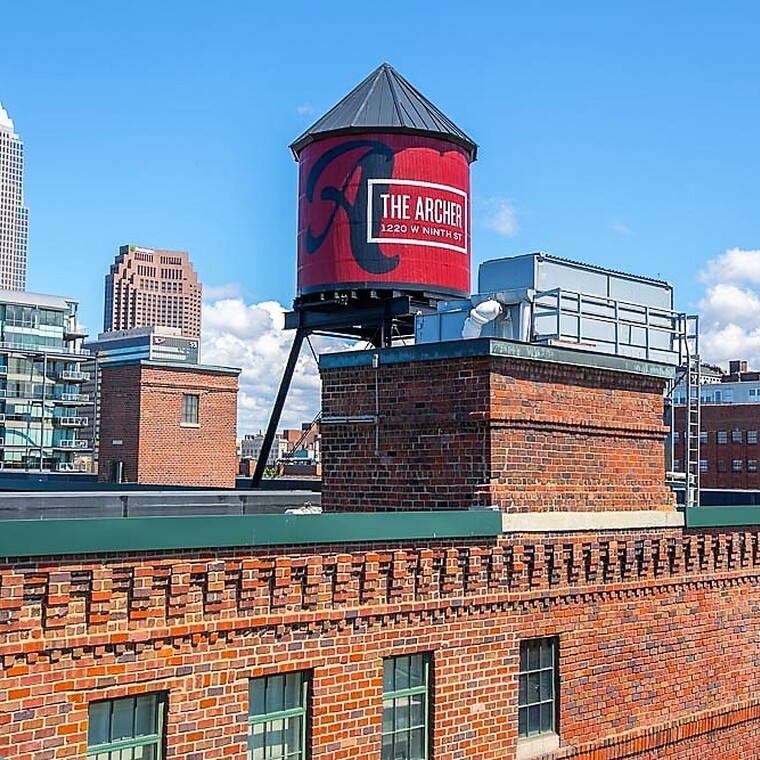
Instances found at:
x=537 y=298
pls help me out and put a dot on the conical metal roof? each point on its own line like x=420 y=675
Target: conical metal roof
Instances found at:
x=386 y=102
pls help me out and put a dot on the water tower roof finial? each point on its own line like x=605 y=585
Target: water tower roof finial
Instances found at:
x=385 y=101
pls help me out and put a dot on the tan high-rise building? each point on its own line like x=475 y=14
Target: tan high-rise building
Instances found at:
x=149 y=287
x=14 y=216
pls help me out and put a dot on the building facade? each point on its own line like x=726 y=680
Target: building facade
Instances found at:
x=497 y=573
x=43 y=409
x=729 y=454
x=14 y=215
x=149 y=287
x=167 y=424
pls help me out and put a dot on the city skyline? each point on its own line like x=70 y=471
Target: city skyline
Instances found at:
x=624 y=144
x=14 y=215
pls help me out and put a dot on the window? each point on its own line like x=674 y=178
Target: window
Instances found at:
x=405 y=707
x=677 y=465
x=703 y=466
x=130 y=728
x=277 y=717
x=722 y=465
x=676 y=436
x=736 y=465
x=722 y=436
x=189 y=409
x=752 y=465
x=752 y=436
x=736 y=436
x=537 y=687
x=704 y=437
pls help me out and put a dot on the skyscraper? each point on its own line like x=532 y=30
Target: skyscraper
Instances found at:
x=147 y=287
x=14 y=216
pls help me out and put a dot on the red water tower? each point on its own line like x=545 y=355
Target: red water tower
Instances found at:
x=383 y=219
x=383 y=209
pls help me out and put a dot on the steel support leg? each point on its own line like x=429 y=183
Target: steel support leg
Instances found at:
x=279 y=402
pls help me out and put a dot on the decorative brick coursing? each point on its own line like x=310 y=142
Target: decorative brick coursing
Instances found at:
x=141 y=406
x=657 y=630
x=521 y=434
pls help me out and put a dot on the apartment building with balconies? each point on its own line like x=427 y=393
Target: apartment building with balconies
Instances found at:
x=43 y=408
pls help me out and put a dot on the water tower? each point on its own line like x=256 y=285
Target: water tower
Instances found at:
x=383 y=219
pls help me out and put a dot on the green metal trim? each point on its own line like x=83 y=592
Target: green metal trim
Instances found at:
x=458 y=349
x=717 y=517
x=34 y=538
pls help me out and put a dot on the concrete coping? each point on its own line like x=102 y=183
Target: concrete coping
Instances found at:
x=568 y=522
x=459 y=349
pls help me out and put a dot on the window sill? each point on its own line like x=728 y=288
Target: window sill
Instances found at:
x=189 y=424
x=536 y=746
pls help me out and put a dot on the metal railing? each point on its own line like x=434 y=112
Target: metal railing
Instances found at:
x=76 y=375
x=610 y=325
x=72 y=421
x=73 y=443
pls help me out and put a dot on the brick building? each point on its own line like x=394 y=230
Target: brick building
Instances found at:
x=168 y=424
x=729 y=426
x=499 y=573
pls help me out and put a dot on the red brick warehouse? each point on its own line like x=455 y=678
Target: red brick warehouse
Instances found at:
x=581 y=618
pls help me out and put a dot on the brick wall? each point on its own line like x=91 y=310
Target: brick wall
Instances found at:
x=142 y=407
x=657 y=639
x=720 y=457
x=522 y=434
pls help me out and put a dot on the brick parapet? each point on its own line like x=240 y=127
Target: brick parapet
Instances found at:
x=649 y=623
x=521 y=434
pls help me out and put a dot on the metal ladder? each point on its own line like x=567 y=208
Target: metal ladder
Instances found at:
x=692 y=371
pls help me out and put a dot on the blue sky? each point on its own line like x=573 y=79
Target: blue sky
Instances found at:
x=620 y=134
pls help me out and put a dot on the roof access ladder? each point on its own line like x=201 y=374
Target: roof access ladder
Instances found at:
x=691 y=374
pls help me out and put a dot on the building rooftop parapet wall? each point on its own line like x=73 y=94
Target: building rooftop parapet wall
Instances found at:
x=525 y=427
x=176 y=366
x=497 y=347
x=108 y=535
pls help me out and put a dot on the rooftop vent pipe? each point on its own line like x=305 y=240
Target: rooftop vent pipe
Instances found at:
x=480 y=315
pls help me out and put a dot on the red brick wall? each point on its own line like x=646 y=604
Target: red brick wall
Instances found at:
x=658 y=640
x=142 y=406
x=720 y=457
x=521 y=434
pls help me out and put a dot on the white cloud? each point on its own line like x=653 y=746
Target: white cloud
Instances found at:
x=730 y=308
x=621 y=228
x=305 y=110
x=500 y=215
x=250 y=336
x=735 y=265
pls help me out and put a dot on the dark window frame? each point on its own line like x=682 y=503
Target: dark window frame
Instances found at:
x=538 y=688
x=191 y=403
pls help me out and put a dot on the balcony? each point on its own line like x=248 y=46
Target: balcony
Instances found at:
x=73 y=443
x=72 y=421
x=73 y=375
x=74 y=330
x=70 y=467
x=77 y=398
